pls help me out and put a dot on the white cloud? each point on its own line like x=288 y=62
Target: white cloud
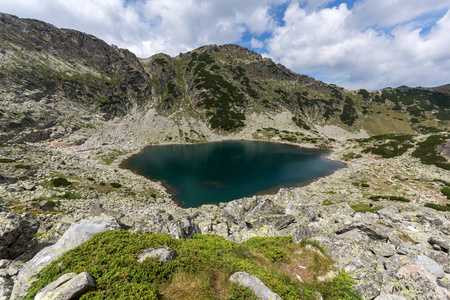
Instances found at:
x=376 y=43
x=328 y=43
x=256 y=44
x=385 y=13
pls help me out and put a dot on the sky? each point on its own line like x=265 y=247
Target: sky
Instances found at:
x=368 y=44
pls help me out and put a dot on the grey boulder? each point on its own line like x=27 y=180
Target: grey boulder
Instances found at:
x=164 y=254
x=6 y=286
x=73 y=237
x=16 y=232
x=431 y=266
x=67 y=287
x=255 y=284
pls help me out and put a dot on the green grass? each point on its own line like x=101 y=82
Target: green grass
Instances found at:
x=350 y=156
x=7 y=160
x=438 y=207
x=60 y=181
x=427 y=153
x=200 y=271
x=391 y=198
x=446 y=192
x=364 y=207
x=68 y=196
x=442 y=181
x=21 y=166
x=389 y=149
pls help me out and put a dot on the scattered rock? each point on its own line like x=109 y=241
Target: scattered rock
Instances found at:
x=389 y=297
x=442 y=244
x=431 y=266
x=414 y=282
x=183 y=229
x=383 y=249
x=401 y=177
x=16 y=232
x=67 y=287
x=73 y=237
x=255 y=284
x=46 y=205
x=6 y=286
x=164 y=254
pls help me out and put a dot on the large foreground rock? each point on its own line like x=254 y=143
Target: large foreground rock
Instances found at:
x=16 y=232
x=73 y=237
x=255 y=284
x=67 y=287
x=164 y=254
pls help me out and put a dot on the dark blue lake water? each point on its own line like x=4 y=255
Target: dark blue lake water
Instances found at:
x=223 y=171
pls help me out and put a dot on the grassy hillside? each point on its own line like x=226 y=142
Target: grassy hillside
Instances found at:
x=200 y=271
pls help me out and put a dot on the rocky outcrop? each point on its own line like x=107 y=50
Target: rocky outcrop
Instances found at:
x=164 y=254
x=16 y=232
x=6 y=286
x=73 y=237
x=67 y=287
x=255 y=284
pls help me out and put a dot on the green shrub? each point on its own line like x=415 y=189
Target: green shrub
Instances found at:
x=340 y=288
x=90 y=179
x=350 y=156
x=364 y=207
x=365 y=185
x=427 y=153
x=446 y=192
x=7 y=160
x=60 y=181
x=111 y=258
x=115 y=185
x=349 y=114
x=438 y=207
x=67 y=195
x=442 y=181
x=241 y=293
x=270 y=247
x=391 y=198
x=20 y=166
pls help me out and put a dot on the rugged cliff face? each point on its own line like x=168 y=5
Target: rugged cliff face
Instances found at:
x=54 y=82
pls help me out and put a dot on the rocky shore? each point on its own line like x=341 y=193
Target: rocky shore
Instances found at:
x=388 y=247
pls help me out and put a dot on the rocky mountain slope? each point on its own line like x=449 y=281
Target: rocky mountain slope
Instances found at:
x=61 y=83
x=71 y=107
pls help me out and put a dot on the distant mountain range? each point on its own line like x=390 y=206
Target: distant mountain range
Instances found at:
x=58 y=82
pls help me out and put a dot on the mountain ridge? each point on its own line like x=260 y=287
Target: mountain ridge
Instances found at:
x=215 y=89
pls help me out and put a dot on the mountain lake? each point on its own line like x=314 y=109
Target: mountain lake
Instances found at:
x=211 y=173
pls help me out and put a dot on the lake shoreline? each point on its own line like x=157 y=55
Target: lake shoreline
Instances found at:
x=123 y=163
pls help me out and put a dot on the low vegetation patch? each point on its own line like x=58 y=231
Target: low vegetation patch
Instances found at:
x=438 y=207
x=446 y=192
x=389 y=149
x=364 y=207
x=391 y=198
x=350 y=156
x=115 y=185
x=7 y=160
x=60 y=181
x=67 y=195
x=21 y=166
x=427 y=152
x=200 y=271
